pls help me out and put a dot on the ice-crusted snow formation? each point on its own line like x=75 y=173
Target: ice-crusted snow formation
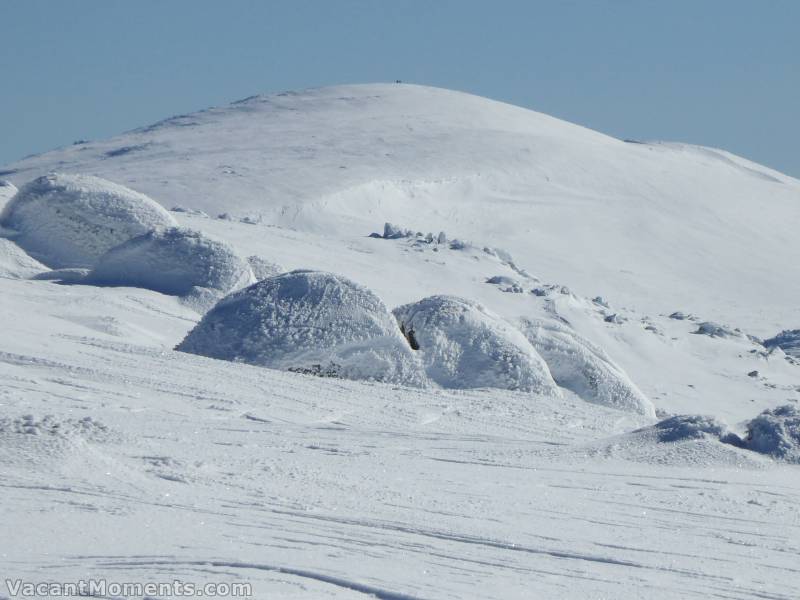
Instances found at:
x=311 y=322
x=173 y=261
x=583 y=368
x=776 y=432
x=788 y=341
x=71 y=220
x=465 y=345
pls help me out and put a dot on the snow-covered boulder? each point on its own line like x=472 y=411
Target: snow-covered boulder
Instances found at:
x=788 y=341
x=582 y=367
x=7 y=191
x=311 y=322
x=465 y=345
x=776 y=432
x=71 y=220
x=173 y=261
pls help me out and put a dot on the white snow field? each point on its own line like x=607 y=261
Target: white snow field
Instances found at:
x=464 y=345
x=71 y=220
x=663 y=466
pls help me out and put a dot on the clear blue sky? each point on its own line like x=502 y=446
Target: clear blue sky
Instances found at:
x=722 y=73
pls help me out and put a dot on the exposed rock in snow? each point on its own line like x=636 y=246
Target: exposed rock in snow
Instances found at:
x=173 y=261
x=263 y=268
x=71 y=220
x=712 y=329
x=788 y=341
x=15 y=263
x=776 y=432
x=506 y=284
x=585 y=369
x=464 y=345
x=311 y=322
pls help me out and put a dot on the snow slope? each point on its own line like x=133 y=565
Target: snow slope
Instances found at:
x=124 y=459
x=710 y=231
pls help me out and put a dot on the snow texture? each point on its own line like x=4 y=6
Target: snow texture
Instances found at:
x=776 y=432
x=583 y=368
x=71 y=220
x=310 y=322
x=263 y=268
x=173 y=261
x=788 y=341
x=465 y=345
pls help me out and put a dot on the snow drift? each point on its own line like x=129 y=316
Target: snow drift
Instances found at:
x=465 y=345
x=173 y=261
x=583 y=368
x=311 y=322
x=71 y=220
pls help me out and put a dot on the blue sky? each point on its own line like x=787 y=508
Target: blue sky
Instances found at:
x=722 y=73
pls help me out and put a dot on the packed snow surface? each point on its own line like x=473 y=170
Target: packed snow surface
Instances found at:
x=465 y=345
x=311 y=322
x=71 y=220
x=173 y=261
x=584 y=368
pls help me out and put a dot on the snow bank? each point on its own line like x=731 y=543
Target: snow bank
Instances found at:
x=71 y=220
x=15 y=263
x=173 y=261
x=7 y=191
x=464 y=345
x=585 y=369
x=776 y=432
x=788 y=341
x=311 y=322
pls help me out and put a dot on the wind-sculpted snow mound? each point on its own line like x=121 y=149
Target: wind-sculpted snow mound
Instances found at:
x=310 y=322
x=776 y=432
x=465 y=345
x=583 y=368
x=173 y=261
x=72 y=220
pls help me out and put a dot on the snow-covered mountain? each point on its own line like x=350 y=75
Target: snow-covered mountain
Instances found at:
x=708 y=231
x=547 y=304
